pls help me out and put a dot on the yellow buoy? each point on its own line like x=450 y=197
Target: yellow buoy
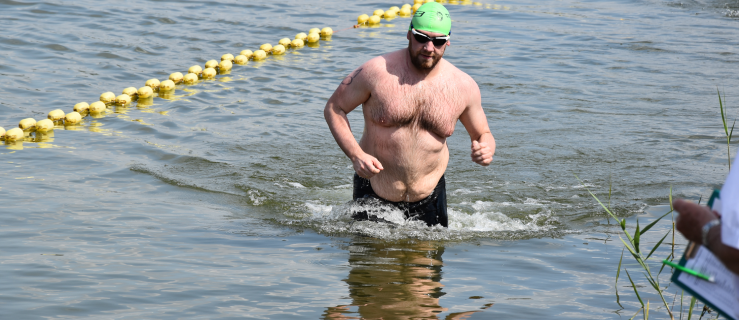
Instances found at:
x=394 y=8
x=226 y=65
x=190 y=78
x=44 y=125
x=14 y=134
x=81 y=107
x=144 y=93
x=197 y=70
x=266 y=47
x=176 y=77
x=123 y=100
x=131 y=92
x=406 y=6
x=247 y=53
x=209 y=73
x=362 y=19
x=405 y=11
x=72 y=118
x=228 y=57
x=313 y=37
x=241 y=59
x=297 y=43
x=211 y=64
x=259 y=55
x=153 y=84
x=107 y=97
x=427 y=1
x=166 y=86
x=99 y=106
x=374 y=20
x=314 y=30
x=2 y=133
x=285 y=42
x=278 y=49
x=301 y=36
x=390 y=14
x=56 y=115
x=27 y=124
x=477 y=3
x=327 y=32
x=415 y=7
x=378 y=12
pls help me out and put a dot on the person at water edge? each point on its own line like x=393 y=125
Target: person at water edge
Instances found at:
x=718 y=233
x=411 y=100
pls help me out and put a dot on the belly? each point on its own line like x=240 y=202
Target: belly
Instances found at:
x=413 y=160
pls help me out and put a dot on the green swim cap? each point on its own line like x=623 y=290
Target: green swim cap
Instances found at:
x=432 y=17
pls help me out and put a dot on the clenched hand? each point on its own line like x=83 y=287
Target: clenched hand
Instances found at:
x=481 y=154
x=366 y=166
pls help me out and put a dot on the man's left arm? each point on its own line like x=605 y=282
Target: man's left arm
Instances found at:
x=474 y=120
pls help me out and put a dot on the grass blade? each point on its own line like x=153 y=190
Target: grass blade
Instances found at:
x=728 y=143
x=629 y=247
x=637 y=292
x=618 y=271
x=653 y=282
x=673 y=300
x=672 y=255
x=596 y=199
x=628 y=235
x=663 y=265
x=657 y=246
x=726 y=129
x=637 y=312
x=690 y=311
x=723 y=117
x=610 y=185
x=637 y=237
x=646 y=311
x=615 y=285
x=649 y=226
x=731 y=133
x=636 y=256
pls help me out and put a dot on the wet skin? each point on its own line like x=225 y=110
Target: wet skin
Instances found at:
x=412 y=99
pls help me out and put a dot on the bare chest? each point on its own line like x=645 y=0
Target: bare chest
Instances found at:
x=434 y=107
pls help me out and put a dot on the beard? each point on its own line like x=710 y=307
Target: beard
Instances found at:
x=423 y=64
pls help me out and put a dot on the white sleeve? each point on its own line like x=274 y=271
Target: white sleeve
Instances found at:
x=730 y=207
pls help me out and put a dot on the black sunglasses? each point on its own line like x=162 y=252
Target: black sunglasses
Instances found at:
x=422 y=38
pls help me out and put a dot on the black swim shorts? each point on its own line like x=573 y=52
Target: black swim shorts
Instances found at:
x=431 y=210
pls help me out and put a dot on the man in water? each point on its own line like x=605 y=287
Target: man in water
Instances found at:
x=411 y=101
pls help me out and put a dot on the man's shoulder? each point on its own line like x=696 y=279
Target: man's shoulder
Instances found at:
x=461 y=77
x=456 y=77
x=380 y=63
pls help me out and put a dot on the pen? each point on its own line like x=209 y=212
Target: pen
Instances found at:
x=689 y=271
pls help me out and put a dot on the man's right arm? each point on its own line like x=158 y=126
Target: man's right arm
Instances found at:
x=690 y=223
x=353 y=91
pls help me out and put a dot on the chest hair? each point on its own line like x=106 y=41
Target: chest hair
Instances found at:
x=431 y=105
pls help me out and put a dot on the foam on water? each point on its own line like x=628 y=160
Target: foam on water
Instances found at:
x=485 y=221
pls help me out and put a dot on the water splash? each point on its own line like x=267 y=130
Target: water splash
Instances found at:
x=485 y=221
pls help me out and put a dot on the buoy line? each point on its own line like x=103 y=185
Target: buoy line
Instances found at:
x=195 y=73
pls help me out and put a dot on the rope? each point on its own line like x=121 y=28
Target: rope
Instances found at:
x=57 y=117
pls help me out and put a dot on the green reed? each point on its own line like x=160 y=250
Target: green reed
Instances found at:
x=726 y=128
x=635 y=248
x=634 y=242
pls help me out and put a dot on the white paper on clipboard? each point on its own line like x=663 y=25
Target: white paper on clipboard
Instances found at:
x=724 y=293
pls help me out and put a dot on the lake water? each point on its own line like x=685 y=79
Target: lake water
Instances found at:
x=229 y=199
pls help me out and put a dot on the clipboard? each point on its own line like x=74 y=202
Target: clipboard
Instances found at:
x=723 y=295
